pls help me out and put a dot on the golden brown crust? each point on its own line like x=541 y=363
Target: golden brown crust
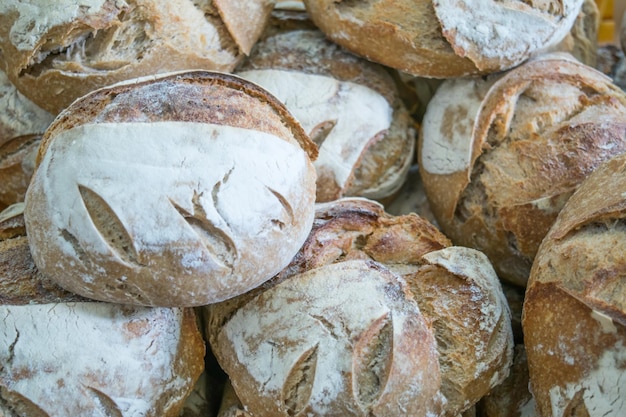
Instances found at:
x=120 y=41
x=432 y=39
x=194 y=96
x=20 y=281
x=450 y=285
x=524 y=158
x=385 y=32
x=574 y=316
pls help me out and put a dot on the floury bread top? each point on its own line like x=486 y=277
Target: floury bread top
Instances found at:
x=177 y=212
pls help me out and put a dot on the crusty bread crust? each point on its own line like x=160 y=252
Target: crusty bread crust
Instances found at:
x=456 y=290
x=194 y=232
x=106 y=41
x=499 y=159
x=575 y=307
x=441 y=39
x=58 y=340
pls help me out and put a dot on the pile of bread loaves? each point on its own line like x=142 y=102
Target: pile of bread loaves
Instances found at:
x=264 y=208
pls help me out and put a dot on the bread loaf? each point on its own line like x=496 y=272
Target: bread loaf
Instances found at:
x=179 y=190
x=500 y=156
x=575 y=307
x=54 y=58
x=63 y=355
x=445 y=38
x=376 y=315
x=350 y=107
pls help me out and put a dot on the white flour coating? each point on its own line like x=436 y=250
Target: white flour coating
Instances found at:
x=528 y=408
x=37 y=17
x=603 y=388
x=606 y=323
x=324 y=309
x=507 y=30
x=360 y=113
x=53 y=354
x=448 y=125
x=19 y=115
x=152 y=175
x=290 y=5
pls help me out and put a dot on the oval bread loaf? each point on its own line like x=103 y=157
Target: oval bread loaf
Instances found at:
x=363 y=285
x=574 y=316
x=179 y=190
x=500 y=156
x=55 y=57
x=445 y=38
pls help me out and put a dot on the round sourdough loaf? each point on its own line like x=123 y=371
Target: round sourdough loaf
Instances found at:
x=375 y=316
x=349 y=107
x=177 y=190
x=574 y=317
x=499 y=156
x=445 y=38
x=56 y=51
x=64 y=355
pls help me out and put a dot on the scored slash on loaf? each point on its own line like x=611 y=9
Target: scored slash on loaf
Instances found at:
x=181 y=190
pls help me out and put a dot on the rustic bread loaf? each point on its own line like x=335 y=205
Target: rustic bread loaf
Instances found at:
x=499 y=156
x=63 y=355
x=349 y=107
x=54 y=58
x=446 y=38
x=575 y=307
x=179 y=190
x=371 y=305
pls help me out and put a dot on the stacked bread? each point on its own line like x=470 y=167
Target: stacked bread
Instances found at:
x=312 y=208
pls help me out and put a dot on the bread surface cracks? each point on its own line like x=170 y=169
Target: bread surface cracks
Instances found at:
x=507 y=132
x=114 y=38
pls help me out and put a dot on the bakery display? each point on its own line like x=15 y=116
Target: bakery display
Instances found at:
x=574 y=316
x=64 y=355
x=179 y=190
x=54 y=58
x=376 y=315
x=350 y=108
x=500 y=155
x=439 y=39
x=227 y=213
